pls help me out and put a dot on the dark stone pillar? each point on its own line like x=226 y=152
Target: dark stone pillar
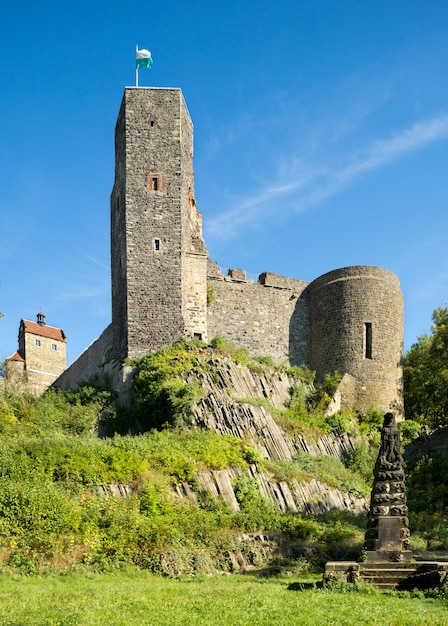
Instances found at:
x=387 y=534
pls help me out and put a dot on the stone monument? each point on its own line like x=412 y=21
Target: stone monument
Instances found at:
x=387 y=534
x=388 y=563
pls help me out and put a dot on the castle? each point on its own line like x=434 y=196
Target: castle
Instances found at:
x=350 y=319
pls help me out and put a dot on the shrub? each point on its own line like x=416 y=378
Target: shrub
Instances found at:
x=409 y=430
x=211 y=296
x=162 y=395
x=256 y=512
x=361 y=459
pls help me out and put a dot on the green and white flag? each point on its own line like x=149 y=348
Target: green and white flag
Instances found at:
x=143 y=59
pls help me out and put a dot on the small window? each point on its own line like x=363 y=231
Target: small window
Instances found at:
x=37 y=342
x=156 y=245
x=155 y=181
x=197 y=336
x=54 y=346
x=368 y=340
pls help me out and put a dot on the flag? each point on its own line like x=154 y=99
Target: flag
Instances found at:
x=143 y=59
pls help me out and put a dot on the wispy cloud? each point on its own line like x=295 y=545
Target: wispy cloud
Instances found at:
x=299 y=192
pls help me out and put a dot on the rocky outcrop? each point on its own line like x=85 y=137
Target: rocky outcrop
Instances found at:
x=430 y=445
x=235 y=401
x=232 y=403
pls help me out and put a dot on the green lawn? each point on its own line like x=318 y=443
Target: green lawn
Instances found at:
x=140 y=598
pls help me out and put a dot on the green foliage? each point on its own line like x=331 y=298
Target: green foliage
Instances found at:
x=332 y=471
x=301 y=373
x=297 y=404
x=256 y=512
x=51 y=509
x=341 y=423
x=52 y=466
x=298 y=527
x=331 y=383
x=34 y=514
x=211 y=296
x=361 y=459
x=267 y=361
x=325 y=469
x=426 y=375
x=231 y=350
x=409 y=431
x=427 y=492
x=371 y=423
x=163 y=398
x=218 y=342
x=74 y=412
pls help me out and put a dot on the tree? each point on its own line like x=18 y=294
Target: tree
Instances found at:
x=426 y=374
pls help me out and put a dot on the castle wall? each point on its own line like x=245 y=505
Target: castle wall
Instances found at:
x=266 y=318
x=94 y=361
x=356 y=327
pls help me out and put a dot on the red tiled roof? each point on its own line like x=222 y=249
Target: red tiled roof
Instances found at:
x=44 y=331
x=16 y=357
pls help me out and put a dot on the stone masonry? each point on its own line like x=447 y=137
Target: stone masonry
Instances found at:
x=350 y=319
x=41 y=355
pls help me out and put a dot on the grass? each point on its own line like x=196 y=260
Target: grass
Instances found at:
x=140 y=598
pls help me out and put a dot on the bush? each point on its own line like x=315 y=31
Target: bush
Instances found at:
x=35 y=514
x=256 y=512
x=163 y=397
x=361 y=460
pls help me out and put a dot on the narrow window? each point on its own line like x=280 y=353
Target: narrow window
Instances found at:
x=37 y=342
x=156 y=244
x=368 y=340
x=54 y=346
x=155 y=183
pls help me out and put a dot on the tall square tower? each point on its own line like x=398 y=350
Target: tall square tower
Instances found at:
x=159 y=258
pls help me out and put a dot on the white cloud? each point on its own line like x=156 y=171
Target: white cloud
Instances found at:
x=295 y=193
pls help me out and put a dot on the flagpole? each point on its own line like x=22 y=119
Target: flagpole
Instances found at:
x=136 y=66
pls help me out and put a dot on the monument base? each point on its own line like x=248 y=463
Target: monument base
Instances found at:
x=388 y=556
x=389 y=575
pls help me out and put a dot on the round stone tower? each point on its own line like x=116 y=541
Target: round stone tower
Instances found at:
x=356 y=327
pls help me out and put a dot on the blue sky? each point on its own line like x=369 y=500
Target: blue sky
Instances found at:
x=321 y=141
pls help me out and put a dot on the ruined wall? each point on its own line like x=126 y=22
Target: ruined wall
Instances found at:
x=266 y=318
x=356 y=327
x=92 y=362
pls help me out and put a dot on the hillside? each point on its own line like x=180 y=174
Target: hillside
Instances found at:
x=216 y=447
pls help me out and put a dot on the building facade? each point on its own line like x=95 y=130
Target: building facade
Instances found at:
x=41 y=355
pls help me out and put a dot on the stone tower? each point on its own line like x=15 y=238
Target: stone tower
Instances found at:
x=159 y=258
x=356 y=327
